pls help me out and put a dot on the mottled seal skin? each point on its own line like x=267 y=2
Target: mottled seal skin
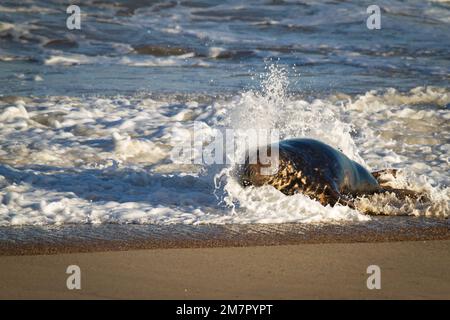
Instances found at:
x=317 y=170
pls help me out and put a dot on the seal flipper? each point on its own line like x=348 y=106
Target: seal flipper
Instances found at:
x=377 y=174
x=332 y=196
x=405 y=193
x=399 y=193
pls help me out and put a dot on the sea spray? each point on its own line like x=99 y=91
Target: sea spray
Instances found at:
x=332 y=123
x=272 y=108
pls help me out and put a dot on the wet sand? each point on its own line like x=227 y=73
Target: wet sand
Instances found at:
x=259 y=261
x=115 y=237
x=411 y=270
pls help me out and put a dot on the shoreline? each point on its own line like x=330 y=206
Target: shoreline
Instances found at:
x=21 y=241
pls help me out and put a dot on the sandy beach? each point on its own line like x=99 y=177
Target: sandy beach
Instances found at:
x=128 y=132
x=410 y=269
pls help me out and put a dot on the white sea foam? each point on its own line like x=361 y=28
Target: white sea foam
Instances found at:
x=107 y=160
x=134 y=61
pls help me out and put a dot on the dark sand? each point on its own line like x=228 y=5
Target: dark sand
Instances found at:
x=412 y=270
x=111 y=237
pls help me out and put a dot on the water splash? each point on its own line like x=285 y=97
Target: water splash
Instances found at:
x=272 y=108
x=332 y=123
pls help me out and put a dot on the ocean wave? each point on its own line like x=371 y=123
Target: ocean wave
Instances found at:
x=133 y=61
x=107 y=159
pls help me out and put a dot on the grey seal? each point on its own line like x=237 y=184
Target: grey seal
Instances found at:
x=318 y=171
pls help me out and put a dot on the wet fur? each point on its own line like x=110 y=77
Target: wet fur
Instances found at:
x=320 y=172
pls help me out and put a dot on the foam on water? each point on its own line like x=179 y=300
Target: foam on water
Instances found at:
x=107 y=159
x=133 y=61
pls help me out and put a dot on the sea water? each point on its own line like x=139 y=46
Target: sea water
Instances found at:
x=88 y=118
